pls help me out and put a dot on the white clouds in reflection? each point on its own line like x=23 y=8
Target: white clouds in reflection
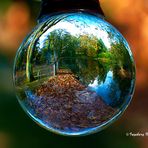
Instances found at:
x=77 y=28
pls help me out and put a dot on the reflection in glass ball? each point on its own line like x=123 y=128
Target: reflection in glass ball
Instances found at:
x=74 y=74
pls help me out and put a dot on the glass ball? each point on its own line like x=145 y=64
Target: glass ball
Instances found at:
x=74 y=74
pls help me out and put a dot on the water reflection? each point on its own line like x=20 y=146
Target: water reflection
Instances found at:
x=109 y=89
x=104 y=88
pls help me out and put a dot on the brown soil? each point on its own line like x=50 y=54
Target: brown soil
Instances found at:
x=65 y=104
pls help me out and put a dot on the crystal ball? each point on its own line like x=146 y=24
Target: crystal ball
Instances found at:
x=74 y=74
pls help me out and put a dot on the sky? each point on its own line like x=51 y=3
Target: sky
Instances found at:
x=80 y=25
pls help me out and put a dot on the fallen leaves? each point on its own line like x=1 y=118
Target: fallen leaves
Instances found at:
x=66 y=104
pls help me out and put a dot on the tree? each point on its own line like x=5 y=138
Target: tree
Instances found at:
x=34 y=38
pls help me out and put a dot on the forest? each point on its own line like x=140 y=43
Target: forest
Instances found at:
x=86 y=56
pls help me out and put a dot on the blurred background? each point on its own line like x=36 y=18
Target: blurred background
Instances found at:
x=17 y=18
